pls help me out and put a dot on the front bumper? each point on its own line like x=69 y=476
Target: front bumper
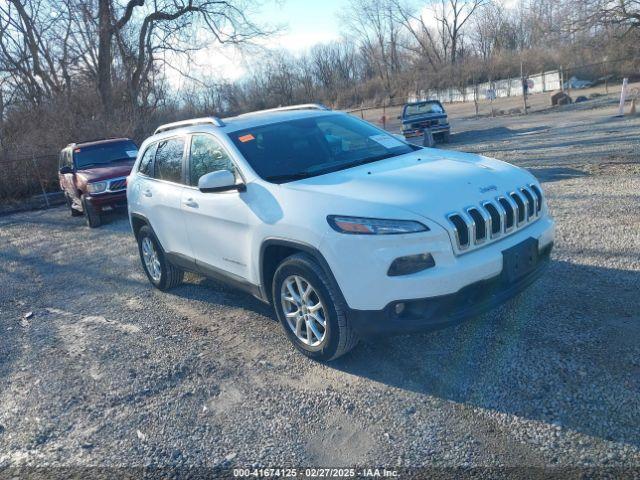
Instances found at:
x=111 y=199
x=417 y=132
x=443 y=311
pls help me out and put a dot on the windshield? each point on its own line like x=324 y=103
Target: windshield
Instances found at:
x=425 y=108
x=281 y=152
x=104 y=154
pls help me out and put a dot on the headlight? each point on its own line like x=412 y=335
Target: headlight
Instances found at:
x=374 y=226
x=97 y=187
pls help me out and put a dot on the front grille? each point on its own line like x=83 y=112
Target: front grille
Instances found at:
x=495 y=218
x=118 y=184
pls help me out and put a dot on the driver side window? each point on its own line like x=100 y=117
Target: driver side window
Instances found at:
x=207 y=155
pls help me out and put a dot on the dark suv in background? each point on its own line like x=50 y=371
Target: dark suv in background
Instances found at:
x=427 y=114
x=93 y=176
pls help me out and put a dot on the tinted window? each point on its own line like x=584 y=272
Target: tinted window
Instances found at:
x=281 y=152
x=105 y=153
x=207 y=156
x=168 y=163
x=146 y=164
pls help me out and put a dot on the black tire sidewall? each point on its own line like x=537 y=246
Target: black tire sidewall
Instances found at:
x=299 y=266
x=91 y=215
x=145 y=231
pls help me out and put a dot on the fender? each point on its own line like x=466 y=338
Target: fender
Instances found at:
x=303 y=247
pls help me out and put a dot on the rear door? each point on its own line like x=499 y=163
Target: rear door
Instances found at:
x=217 y=223
x=160 y=194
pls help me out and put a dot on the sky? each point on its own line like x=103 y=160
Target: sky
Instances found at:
x=306 y=22
x=302 y=24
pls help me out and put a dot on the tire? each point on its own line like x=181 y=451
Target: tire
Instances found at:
x=337 y=335
x=446 y=137
x=167 y=276
x=91 y=215
x=74 y=212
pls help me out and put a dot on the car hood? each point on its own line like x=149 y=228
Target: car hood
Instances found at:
x=430 y=182
x=95 y=174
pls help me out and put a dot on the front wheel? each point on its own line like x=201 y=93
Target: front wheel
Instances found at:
x=162 y=274
x=311 y=310
x=91 y=214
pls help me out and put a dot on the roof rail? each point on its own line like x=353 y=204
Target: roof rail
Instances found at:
x=215 y=121
x=303 y=106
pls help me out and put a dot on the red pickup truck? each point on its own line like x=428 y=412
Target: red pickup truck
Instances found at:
x=93 y=176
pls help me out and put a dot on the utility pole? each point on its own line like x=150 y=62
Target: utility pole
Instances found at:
x=524 y=87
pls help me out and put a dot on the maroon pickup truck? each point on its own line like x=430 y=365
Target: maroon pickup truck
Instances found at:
x=93 y=176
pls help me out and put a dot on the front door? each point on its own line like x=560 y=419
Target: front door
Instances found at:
x=217 y=223
x=160 y=195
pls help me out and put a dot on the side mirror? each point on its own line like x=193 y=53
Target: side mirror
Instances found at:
x=66 y=169
x=219 y=181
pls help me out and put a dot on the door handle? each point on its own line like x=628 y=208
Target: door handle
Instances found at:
x=147 y=193
x=190 y=203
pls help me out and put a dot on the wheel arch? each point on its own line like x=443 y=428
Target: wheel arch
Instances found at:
x=138 y=221
x=274 y=250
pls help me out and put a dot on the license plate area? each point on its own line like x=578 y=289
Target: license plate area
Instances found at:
x=520 y=259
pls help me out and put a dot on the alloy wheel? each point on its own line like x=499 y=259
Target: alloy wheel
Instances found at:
x=303 y=310
x=151 y=259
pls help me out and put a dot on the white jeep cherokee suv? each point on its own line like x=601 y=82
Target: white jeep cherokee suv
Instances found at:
x=344 y=228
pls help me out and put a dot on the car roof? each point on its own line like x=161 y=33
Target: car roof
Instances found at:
x=244 y=121
x=90 y=143
x=257 y=119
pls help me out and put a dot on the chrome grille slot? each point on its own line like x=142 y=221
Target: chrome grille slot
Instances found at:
x=479 y=224
x=531 y=203
x=461 y=230
x=480 y=230
x=538 y=194
x=496 y=218
x=509 y=213
x=117 y=184
x=521 y=214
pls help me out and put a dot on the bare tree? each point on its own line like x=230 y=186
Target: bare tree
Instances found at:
x=452 y=16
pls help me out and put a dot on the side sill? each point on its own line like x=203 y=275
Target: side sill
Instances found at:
x=192 y=265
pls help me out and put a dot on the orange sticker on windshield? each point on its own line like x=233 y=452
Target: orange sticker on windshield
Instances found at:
x=246 y=138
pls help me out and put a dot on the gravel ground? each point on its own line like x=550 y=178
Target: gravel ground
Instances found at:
x=109 y=372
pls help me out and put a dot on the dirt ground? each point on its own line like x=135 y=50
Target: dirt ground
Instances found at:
x=109 y=372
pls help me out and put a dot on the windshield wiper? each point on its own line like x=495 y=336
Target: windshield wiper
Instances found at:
x=372 y=159
x=289 y=176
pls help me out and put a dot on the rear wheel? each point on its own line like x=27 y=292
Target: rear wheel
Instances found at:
x=162 y=274
x=446 y=137
x=91 y=214
x=311 y=310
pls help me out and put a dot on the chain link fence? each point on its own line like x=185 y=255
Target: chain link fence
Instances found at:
x=29 y=181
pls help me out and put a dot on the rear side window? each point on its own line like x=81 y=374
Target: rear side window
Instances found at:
x=168 y=162
x=146 y=164
x=207 y=156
